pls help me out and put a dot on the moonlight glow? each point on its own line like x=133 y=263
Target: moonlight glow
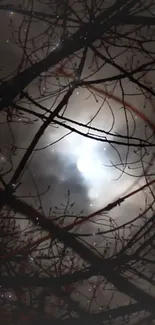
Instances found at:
x=89 y=166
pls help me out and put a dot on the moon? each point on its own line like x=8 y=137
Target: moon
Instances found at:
x=89 y=166
x=85 y=165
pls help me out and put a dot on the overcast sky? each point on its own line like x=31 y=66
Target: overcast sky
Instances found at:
x=90 y=170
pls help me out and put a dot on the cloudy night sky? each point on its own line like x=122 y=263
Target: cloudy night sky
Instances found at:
x=69 y=171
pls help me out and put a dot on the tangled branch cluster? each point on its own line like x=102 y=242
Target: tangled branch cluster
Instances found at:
x=59 y=265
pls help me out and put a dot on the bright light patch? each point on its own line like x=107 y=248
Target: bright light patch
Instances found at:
x=89 y=166
x=84 y=165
